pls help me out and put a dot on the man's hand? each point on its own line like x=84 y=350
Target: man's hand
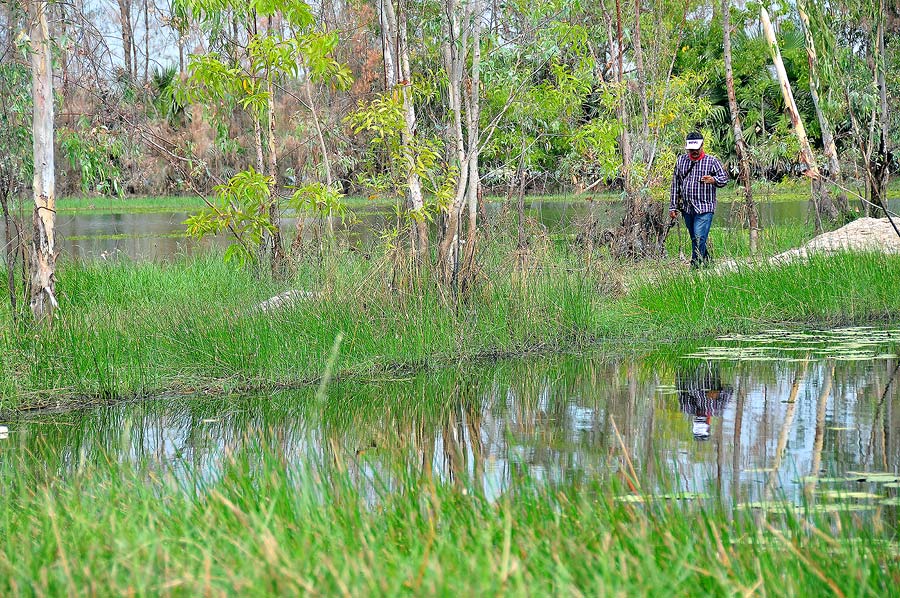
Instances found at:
x=708 y=179
x=673 y=214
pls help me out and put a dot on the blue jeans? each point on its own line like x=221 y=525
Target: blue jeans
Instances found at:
x=698 y=227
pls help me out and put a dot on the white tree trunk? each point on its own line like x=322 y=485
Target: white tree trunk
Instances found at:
x=43 y=249
x=834 y=165
x=397 y=30
x=819 y=194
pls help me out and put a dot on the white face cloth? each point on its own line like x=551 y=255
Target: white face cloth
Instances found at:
x=694 y=144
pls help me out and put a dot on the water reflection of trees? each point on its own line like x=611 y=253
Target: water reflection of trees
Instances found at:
x=485 y=428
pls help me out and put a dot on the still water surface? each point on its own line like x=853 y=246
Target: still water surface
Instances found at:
x=746 y=418
x=162 y=235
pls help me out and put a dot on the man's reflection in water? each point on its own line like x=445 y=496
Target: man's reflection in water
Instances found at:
x=702 y=395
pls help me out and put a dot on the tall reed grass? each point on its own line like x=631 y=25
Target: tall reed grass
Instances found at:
x=259 y=526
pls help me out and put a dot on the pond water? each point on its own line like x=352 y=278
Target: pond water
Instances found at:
x=746 y=418
x=162 y=235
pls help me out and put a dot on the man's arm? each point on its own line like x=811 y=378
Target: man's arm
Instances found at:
x=719 y=174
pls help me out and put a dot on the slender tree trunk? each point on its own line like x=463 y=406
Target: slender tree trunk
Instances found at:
x=643 y=229
x=520 y=203
x=388 y=45
x=752 y=213
x=397 y=28
x=473 y=109
x=43 y=249
x=454 y=56
x=277 y=249
x=834 y=165
x=11 y=250
x=641 y=81
x=882 y=168
x=146 y=40
x=127 y=36
x=821 y=202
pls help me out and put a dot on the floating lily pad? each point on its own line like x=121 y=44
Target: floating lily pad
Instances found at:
x=840 y=507
x=770 y=506
x=811 y=479
x=843 y=495
x=637 y=498
x=874 y=477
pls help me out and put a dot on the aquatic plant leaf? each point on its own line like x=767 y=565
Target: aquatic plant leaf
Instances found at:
x=874 y=477
x=811 y=479
x=843 y=495
x=770 y=506
x=840 y=507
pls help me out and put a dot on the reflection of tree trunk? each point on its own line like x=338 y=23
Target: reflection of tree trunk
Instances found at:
x=43 y=249
x=819 y=440
x=736 y=439
x=834 y=165
x=878 y=414
x=743 y=153
x=821 y=201
x=786 y=426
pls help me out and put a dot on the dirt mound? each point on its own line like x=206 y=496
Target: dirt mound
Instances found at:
x=864 y=234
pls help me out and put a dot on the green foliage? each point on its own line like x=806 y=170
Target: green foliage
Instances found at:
x=95 y=152
x=15 y=128
x=382 y=118
x=319 y=199
x=241 y=207
x=166 y=98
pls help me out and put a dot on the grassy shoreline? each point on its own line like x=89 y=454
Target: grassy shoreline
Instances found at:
x=138 y=329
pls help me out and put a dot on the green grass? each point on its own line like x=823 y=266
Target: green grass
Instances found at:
x=135 y=329
x=259 y=527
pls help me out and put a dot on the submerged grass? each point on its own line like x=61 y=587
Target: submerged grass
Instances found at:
x=256 y=526
x=130 y=329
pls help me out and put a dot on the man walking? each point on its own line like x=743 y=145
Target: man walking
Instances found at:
x=695 y=181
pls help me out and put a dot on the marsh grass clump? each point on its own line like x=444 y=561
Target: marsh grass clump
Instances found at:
x=129 y=329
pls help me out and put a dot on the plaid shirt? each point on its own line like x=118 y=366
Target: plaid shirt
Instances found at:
x=699 y=198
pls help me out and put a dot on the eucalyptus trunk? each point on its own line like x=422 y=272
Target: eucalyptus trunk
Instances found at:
x=834 y=165
x=459 y=29
x=752 y=214
x=43 y=249
x=397 y=34
x=883 y=161
x=822 y=203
